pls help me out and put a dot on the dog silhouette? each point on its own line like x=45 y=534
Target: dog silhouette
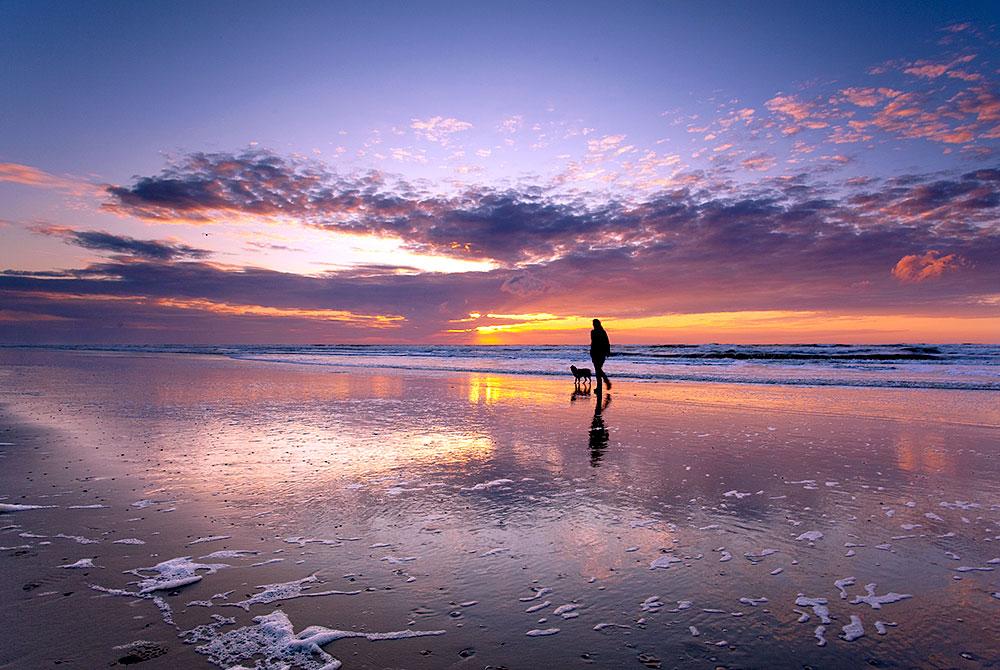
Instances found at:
x=581 y=374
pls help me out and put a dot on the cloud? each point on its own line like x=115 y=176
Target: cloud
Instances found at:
x=202 y=188
x=606 y=143
x=227 y=309
x=26 y=175
x=511 y=124
x=759 y=162
x=524 y=285
x=933 y=70
x=438 y=129
x=867 y=96
x=957 y=27
x=930 y=265
x=702 y=244
x=791 y=106
x=404 y=155
x=788 y=248
x=949 y=100
x=155 y=250
x=519 y=227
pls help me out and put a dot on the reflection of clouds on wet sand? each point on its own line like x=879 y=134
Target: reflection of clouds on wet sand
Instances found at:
x=923 y=452
x=485 y=485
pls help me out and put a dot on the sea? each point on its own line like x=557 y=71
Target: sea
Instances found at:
x=932 y=366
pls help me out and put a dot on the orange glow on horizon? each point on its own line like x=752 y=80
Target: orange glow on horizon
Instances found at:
x=229 y=309
x=741 y=327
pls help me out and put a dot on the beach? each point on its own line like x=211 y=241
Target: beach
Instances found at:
x=206 y=510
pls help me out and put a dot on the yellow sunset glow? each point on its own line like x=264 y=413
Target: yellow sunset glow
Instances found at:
x=737 y=327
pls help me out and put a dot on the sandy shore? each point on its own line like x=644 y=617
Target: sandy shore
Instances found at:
x=694 y=525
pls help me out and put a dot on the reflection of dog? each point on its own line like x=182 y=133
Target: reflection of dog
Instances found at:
x=581 y=374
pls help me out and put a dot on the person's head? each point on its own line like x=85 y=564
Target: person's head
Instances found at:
x=597 y=324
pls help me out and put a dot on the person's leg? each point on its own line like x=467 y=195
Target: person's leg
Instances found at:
x=599 y=370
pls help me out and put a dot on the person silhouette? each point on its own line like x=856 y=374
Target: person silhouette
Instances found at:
x=600 y=349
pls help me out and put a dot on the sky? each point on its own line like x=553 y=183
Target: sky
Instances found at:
x=252 y=172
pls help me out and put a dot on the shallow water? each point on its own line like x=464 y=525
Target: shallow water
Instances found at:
x=914 y=365
x=678 y=526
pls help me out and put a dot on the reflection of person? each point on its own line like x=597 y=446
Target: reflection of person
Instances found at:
x=600 y=349
x=598 y=431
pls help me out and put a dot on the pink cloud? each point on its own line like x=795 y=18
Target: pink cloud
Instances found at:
x=867 y=97
x=606 y=143
x=438 y=128
x=930 y=265
x=759 y=163
x=930 y=70
x=26 y=175
x=791 y=106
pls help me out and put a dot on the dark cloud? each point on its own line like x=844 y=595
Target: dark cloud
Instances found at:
x=521 y=227
x=266 y=246
x=154 y=250
x=524 y=285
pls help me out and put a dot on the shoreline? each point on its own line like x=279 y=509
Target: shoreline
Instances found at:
x=970 y=407
x=862 y=370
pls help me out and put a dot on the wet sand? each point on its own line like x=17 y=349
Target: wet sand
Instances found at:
x=694 y=525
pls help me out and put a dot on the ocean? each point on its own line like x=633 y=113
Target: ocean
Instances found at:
x=931 y=366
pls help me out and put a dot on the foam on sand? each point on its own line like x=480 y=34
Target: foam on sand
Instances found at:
x=149 y=502
x=875 y=601
x=82 y=563
x=758 y=557
x=165 y=612
x=303 y=541
x=484 y=486
x=493 y=552
x=286 y=591
x=651 y=604
x=663 y=562
x=210 y=538
x=853 y=630
x=841 y=585
x=175 y=573
x=818 y=606
x=539 y=592
x=79 y=539
x=6 y=508
x=231 y=553
x=272 y=644
x=267 y=562
x=566 y=610
x=880 y=626
x=542 y=632
x=810 y=536
x=206 y=632
x=818 y=634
